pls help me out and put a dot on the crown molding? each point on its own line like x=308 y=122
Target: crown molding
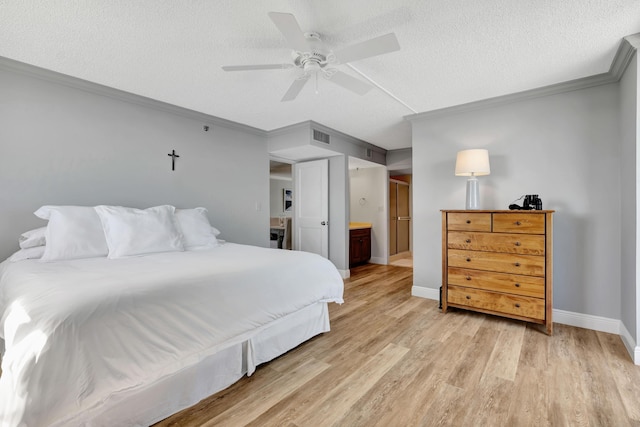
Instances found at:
x=120 y=95
x=627 y=48
x=55 y=77
x=568 y=86
x=624 y=55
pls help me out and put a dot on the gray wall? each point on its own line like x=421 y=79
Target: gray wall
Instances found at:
x=62 y=145
x=399 y=161
x=629 y=213
x=564 y=147
x=339 y=211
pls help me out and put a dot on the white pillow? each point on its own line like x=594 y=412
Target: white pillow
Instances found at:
x=35 y=252
x=131 y=232
x=73 y=232
x=32 y=238
x=197 y=232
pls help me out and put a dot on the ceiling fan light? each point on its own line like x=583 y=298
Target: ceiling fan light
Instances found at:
x=311 y=56
x=311 y=67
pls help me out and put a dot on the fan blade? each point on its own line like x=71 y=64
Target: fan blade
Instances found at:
x=350 y=83
x=295 y=89
x=378 y=46
x=290 y=29
x=257 y=67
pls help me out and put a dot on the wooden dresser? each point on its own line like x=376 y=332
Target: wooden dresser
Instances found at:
x=499 y=262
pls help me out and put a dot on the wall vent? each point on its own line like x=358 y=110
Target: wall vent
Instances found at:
x=321 y=136
x=368 y=153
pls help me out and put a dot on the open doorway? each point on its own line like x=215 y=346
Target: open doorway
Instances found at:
x=368 y=225
x=400 y=224
x=280 y=204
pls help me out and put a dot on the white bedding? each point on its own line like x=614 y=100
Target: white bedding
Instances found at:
x=78 y=332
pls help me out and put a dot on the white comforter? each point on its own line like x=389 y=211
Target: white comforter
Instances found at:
x=77 y=331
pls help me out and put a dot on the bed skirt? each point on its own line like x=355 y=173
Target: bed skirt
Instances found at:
x=185 y=388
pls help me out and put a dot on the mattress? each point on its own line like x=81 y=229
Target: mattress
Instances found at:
x=80 y=333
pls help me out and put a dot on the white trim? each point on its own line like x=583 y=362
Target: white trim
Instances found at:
x=428 y=293
x=630 y=344
x=345 y=274
x=378 y=260
x=587 y=321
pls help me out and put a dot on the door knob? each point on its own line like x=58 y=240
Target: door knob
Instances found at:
x=323 y=223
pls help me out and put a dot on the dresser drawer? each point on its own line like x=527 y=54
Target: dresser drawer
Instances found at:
x=497 y=242
x=499 y=282
x=501 y=303
x=518 y=222
x=472 y=221
x=530 y=265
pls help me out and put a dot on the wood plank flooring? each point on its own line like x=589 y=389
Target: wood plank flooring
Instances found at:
x=395 y=360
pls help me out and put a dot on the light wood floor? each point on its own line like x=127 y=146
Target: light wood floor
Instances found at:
x=396 y=360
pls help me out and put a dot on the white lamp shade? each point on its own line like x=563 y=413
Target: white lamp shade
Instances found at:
x=473 y=162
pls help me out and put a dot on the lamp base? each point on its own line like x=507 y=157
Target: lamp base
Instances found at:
x=473 y=194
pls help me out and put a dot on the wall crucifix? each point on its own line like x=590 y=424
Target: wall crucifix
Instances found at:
x=173 y=156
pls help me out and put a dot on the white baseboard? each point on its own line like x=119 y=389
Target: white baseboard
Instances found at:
x=630 y=344
x=378 y=260
x=428 y=293
x=345 y=274
x=587 y=321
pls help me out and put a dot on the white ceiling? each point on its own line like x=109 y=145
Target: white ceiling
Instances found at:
x=452 y=52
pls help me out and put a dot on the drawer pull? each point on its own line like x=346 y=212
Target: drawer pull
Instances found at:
x=468 y=297
x=468 y=221
x=517 y=285
x=468 y=241
x=468 y=259
x=468 y=277
x=517 y=305
x=517 y=222
x=517 y=264
x=517 y=243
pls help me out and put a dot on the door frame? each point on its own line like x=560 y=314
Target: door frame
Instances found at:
x=408 y=184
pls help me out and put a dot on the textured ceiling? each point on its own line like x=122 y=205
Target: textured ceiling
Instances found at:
x=452 y=52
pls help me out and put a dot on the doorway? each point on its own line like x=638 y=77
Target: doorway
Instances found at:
x=400 y=221
x=280 y=209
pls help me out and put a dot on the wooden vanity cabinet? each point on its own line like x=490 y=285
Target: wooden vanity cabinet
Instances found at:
x=359 y=246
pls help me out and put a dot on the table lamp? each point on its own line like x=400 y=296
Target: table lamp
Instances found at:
x=472 y=163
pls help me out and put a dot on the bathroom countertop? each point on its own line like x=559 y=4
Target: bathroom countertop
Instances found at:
x=359 y=225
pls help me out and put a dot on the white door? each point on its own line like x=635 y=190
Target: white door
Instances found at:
x=311 y=207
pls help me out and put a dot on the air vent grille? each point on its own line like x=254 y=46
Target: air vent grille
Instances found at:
x=321 y=136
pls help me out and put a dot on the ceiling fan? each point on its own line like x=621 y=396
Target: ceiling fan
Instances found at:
x=313 y=58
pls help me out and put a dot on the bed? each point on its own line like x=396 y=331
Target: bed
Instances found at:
x=130 y=341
